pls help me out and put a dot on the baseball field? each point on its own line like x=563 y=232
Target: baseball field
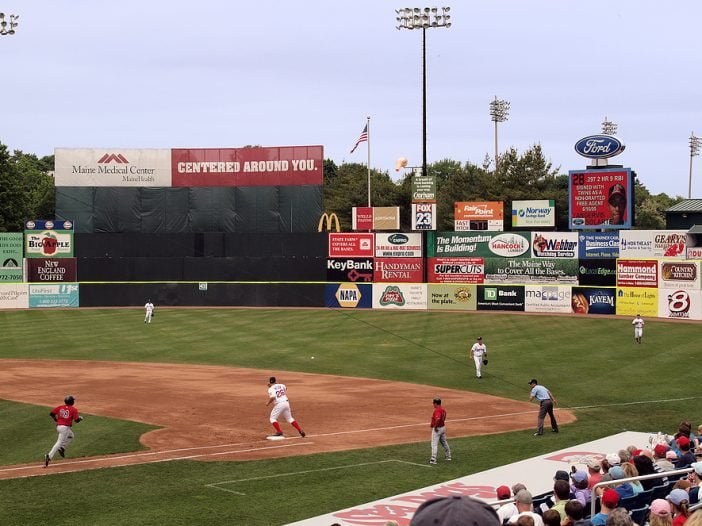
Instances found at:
x=175 y=410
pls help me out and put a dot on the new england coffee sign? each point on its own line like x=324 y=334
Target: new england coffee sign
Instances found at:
x=599 y=146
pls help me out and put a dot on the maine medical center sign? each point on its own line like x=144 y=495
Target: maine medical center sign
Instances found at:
x=187 y=167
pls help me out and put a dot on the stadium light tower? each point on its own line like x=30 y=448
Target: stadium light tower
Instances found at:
x=695 y=145
x=8 y=28
x=423 y=18
x=608 y=127
x=499 y=112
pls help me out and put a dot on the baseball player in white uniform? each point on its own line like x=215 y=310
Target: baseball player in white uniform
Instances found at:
x=478 y=352
x=638 y=324
x=149 y=311
x=277 y=395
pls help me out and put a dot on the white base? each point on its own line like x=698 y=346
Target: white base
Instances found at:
x=273 y=437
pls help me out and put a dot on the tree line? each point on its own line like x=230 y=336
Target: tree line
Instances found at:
x=27 y=189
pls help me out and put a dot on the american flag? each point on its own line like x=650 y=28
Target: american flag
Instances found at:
x=361 y=138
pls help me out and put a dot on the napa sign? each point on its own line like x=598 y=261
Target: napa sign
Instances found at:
x=599 y=146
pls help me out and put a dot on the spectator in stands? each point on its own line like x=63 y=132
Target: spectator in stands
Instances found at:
x=660 y=513
x=524 y=502
x=624 y=489
x=552 y=518
x=683 y=484
x=611 y=460
x=454 y=510
x=685 y=430
x=679 y=501
x=594 y=472
x=645 y=466
x=660 y=461
x=561 y=495
x=580 y=490
x=609 y=501
x=629 y=472
x=695 y=519
x=525 y=520
x=574 y=514
x=625 y=455
x=686 y=457
x=695 y=479
x=509 y=510
x=671 y=456
x=619 y=517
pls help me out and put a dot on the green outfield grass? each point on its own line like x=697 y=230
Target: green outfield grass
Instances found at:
x=591 y=364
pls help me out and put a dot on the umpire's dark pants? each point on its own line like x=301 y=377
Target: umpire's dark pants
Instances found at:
x=546 y=408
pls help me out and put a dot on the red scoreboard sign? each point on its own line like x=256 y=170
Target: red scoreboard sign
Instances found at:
x=600 y=198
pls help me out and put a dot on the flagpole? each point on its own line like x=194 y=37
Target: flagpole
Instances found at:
x=369 y=169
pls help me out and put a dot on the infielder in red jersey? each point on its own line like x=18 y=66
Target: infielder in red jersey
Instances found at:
x=438 y=431
x=277 y=395
x=64 y=416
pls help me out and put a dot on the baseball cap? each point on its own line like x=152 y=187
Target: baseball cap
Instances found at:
x=697 y=466
x=610 y=498
x=593 y=463
x=616 y=472
x=457 y=510
x=677 y=496
x=671 y=455
x=561 y=475
x=524 y=497
x=533 y=381
x=660 y=450
x=616 y=189
x=479 y=338
x=503 y=492
x=683 y=441
x=579 y=476
x=613 y=459
x=660 y=507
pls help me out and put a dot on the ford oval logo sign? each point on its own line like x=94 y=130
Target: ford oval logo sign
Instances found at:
x=599 y=146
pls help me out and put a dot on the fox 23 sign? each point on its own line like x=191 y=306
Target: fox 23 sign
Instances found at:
x=423 y=216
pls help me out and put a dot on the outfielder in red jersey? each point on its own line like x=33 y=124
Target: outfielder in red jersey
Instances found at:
x=438 y=431
x=64 y=416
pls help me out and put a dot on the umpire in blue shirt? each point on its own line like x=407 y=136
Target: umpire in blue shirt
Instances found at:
x=546 y=401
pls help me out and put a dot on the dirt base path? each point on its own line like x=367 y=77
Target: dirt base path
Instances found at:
x=220 y=413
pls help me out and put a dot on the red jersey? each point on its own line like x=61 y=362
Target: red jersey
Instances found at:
x=65 y=415
x=438 y=417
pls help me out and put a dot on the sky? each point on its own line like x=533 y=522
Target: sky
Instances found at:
x=176 y=74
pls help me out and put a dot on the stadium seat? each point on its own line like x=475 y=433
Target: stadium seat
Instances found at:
x=628 y=502
x=639 y=515
x=644 y=498
x=660 y=492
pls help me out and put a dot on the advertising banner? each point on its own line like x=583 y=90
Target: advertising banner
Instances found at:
x=637 y=273
x=399 y=270
x=598 y=245
x=119 y=167
x=42 y=270
x=679 y=304
x=600 y=198
x=652 y=243
x=547 y=298
x=597 y=272
x=531 y=270
x=400 y=296
x=375 y=218
x=260 y=166
x=452 y=297
x=509 y=298
x=46 y=238
x=348 y=296
x=678 y=274
x=343 y=245
x=47 y=296
x=693 y=253
x=507 y=245
x=586 y=300
x=362 y=218
x=11 y=257
x=423 y=216
x=455 y=270
x=561 y=245
x=398 y=245
x=14 y=296
x=534 y=214
x=350 y=269
x=423 y=188
x=478 y=215
x=637 y=300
